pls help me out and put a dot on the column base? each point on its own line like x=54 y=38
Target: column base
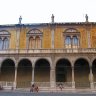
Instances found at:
x=92 y=85
x=52 y=84
x=73 y=85
x=14 y=86
x=32 y=83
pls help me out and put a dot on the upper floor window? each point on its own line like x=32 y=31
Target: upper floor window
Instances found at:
x=4 y=40
x=75 y=42
x=72 y=38
x=68 y=42
x=5 y=43
x=38 y=42
x=34 y=38
x=31 y=42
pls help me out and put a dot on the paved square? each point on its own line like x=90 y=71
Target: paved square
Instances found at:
x=45 y=94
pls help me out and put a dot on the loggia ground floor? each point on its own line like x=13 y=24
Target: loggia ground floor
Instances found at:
x=48 y=69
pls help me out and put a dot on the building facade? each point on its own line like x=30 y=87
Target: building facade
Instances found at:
x=48 y=54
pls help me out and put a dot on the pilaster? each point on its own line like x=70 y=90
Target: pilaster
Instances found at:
x=88 y=36
x=52 y=35
x=17 y=38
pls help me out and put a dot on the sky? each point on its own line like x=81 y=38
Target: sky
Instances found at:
x=40 y=11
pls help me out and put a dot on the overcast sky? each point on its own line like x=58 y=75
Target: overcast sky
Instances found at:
x=40 y=11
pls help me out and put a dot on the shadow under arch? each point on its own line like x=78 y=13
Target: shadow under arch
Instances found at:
x=81 y=73
x=42 y=71
x=24 y=73
x=7 y=70
x=63 y=70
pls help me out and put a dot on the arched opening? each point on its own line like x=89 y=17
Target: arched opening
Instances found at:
x=75 y=42
x=24 y=73
x=81 y=73
x=63 y=71
x=7 y=70
x=94 y=70
x=42 y=71
x=5 y=43
x=68 y=42
x=31 y=42
x=37 y=42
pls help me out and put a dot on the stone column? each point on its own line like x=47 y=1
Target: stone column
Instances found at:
x=33 y=75
x=52 y=78
x=15 y=78
x=91 y=78
x=73 y=82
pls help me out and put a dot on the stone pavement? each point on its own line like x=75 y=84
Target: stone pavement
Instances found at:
x=14 y=93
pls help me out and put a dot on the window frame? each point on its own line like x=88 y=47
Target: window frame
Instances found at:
x=4 y=34
x=34 y=33
x=72 y=32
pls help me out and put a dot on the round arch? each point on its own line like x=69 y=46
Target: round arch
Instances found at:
x=81 y=73
x=81 y=57
x=4 y=32
x=21 y=59
x=42 y=70
x=34 y=30
x=45 y=58
x=24 y=73
x=57 y=59
x=63 y=70
x=71 y=30
x=7 y=70
x=4 y=59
